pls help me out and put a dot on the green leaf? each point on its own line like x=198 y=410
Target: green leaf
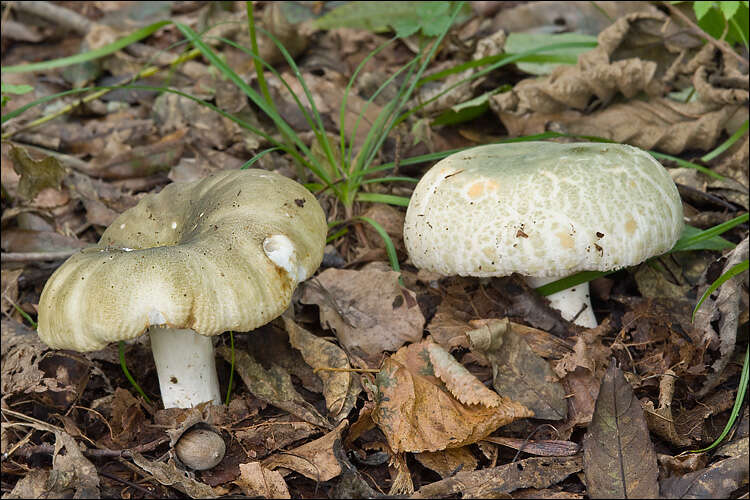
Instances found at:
x=701 y=9
x=731 y=273
x=729 y=9
x=7 y=88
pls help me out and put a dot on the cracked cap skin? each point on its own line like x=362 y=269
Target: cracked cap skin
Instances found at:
x=221 y=253
x=542 y=209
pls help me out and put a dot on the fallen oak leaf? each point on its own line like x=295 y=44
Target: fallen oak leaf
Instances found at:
x=417 y=413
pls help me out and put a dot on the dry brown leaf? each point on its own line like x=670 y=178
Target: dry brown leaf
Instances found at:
x=315 y=460
x=367 y=309
x=9 y=288
x=258 y=481
x=32 y=485
x=416 y=412
x=458 y=380
x=340 y=389
x=518 y=372
x=273 y=386
x=545 y=448
x=660 y=420
x=448 y=462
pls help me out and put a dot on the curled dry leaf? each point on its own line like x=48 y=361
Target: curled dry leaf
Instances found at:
x=622 y=63
x=258 y=481
x=727 y=308
x=367 y=309
x=618 y=456
x=518 y=372
x=416 y=411
x=340 y=389
x=315 y=460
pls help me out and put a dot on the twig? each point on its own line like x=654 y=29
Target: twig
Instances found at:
x=36 y=256
x=127 y=483
x=48 y=449
x=347 y=370
x=59 y=16
x=719 y=44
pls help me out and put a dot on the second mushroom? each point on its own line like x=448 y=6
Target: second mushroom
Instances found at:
x=544 y=210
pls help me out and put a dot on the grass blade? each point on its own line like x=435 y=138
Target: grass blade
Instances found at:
x=389 y=248
x=90 y=55
x=390 y=199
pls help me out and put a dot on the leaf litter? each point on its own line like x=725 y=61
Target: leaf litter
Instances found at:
x=306 y=412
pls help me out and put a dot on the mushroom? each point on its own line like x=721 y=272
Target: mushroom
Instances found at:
x=193 y=261
x=544 y=210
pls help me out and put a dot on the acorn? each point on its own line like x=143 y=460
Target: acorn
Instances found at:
x=200 y=449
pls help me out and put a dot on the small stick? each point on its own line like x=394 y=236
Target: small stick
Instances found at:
x=719 y=44
x=348 y=370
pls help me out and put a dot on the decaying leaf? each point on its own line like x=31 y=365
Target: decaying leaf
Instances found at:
x=35 y=175
x=367 y=309
x=692 y=423
x=518 y=372
x=273 y=434
x=169 y=475
x=618 y=456
x=315 y=459
x=258 y=481
x=340 y=389
x=535 y=472
x=273 y=386
x=718 y=481
x=21 y=352
x=72 y=470
x=416 y=411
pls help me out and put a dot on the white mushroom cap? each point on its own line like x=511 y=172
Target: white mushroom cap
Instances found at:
x=192 y=256
x=542 y=209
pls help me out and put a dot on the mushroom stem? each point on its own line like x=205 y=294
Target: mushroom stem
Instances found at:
x=569 y=302
x=186 y=367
